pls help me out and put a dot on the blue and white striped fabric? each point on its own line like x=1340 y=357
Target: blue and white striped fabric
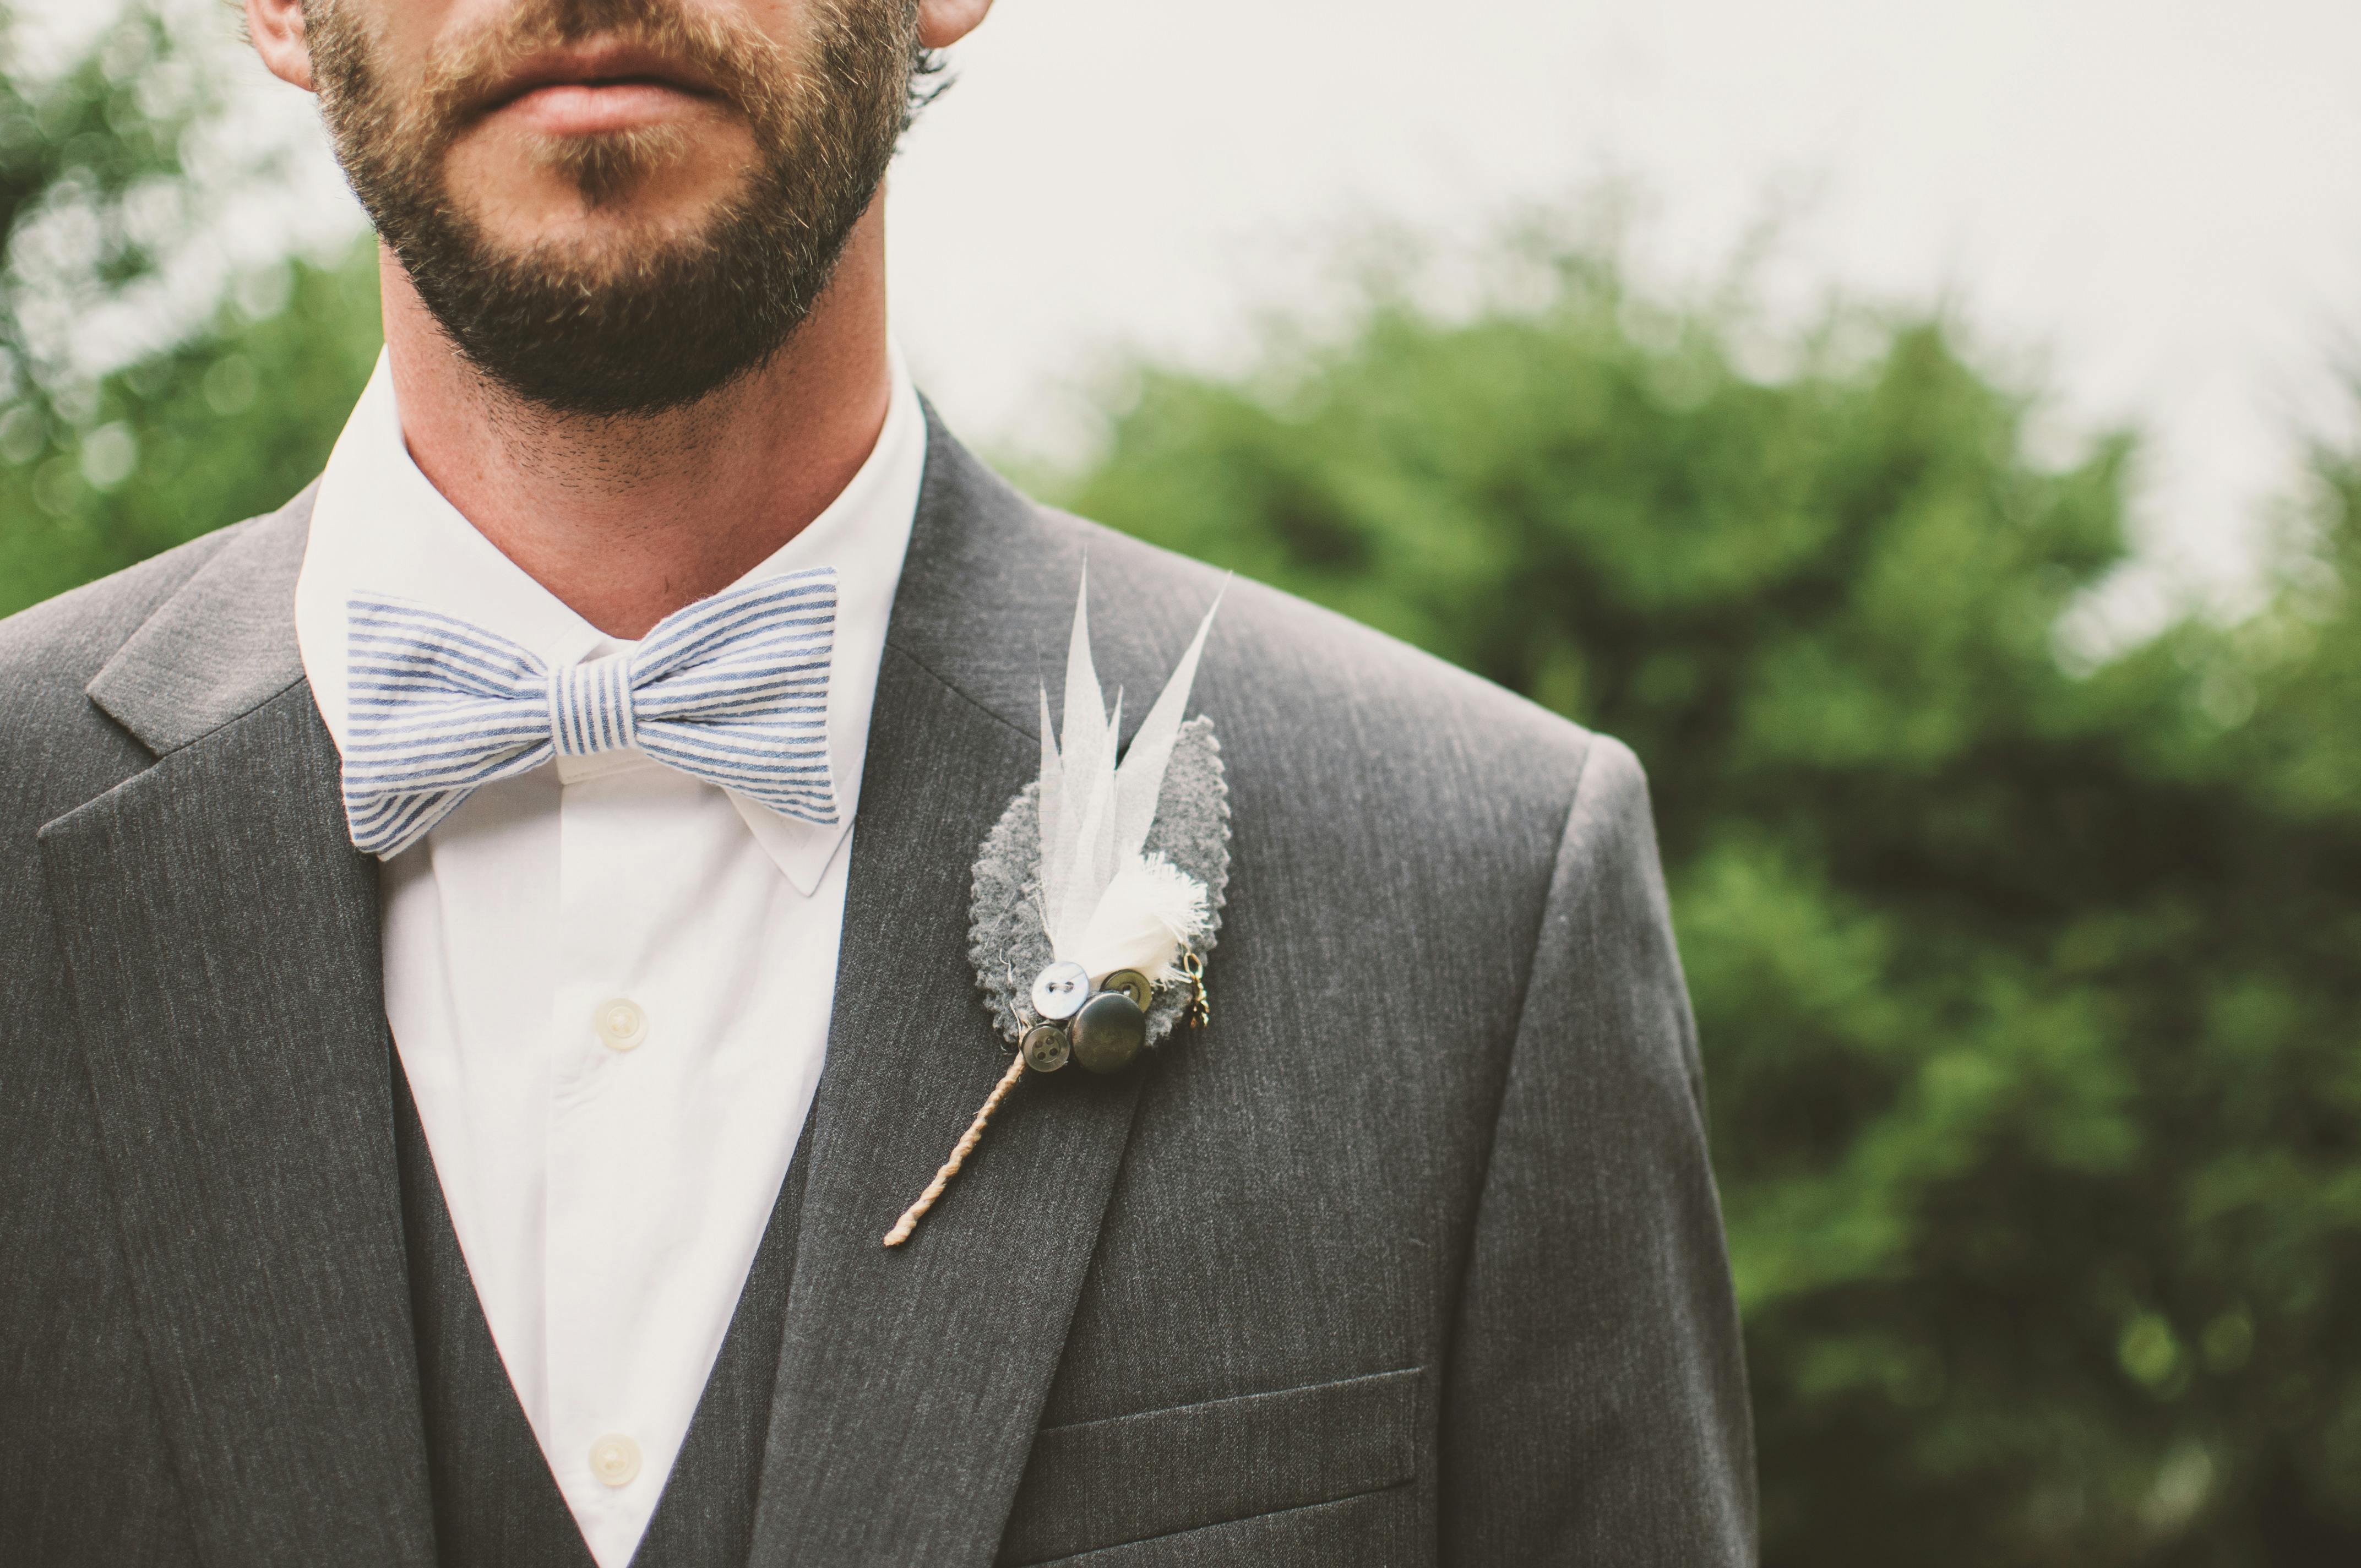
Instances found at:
x=733 y=690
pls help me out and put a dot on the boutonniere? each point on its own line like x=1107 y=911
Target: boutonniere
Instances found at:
x=1098 y=894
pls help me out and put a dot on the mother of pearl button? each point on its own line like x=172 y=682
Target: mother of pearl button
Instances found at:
x=1060 y=991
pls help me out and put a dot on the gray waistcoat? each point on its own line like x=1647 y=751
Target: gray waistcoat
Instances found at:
x=496 y=1505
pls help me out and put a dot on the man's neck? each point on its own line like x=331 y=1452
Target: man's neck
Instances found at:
x=626 y=520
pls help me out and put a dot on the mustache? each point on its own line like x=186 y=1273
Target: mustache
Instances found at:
x=712 y=54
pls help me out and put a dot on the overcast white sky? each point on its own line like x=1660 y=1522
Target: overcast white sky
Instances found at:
x=2162 y=197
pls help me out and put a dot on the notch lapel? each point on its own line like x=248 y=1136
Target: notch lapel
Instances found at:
x=911 y=1381
x=221 y=935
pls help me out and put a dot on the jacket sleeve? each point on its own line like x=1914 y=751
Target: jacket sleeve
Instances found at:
x=1594 y=1405
x=85 y=1477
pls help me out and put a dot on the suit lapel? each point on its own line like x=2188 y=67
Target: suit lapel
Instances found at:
x=910 y=1381
x=221 y=937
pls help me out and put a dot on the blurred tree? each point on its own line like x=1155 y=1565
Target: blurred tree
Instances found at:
x=100 y=467
x=2027 y=996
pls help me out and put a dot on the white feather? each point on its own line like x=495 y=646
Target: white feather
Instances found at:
x=1140 y=780
x=1149 y=910
x=1105 y=905
x=1078 y=765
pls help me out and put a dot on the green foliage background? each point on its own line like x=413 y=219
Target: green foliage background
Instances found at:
x=100 y=471
x=2028 y=990
x=2027 y=996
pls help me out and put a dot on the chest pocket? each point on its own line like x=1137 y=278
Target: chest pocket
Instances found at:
x=1130 y=1478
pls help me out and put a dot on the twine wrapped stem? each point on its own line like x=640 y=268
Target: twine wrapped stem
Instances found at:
x=915 y=1211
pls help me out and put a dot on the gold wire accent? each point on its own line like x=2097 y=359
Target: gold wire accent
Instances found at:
x=1201 y=1005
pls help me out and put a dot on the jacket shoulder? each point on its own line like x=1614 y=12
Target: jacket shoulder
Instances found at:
x=58 y=645
x=986 y=602
x=57 y=749
x=1298 y=668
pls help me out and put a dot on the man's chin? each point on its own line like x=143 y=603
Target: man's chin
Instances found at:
x=591 y=247
x=592 y=244
x=607 y=311
x=647 y=184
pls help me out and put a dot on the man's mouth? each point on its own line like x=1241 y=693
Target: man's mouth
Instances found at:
x=603 y=86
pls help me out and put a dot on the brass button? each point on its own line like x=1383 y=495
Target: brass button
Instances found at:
x=1045 y=1047
x=1109 y=1032
x=1132 y=984
x=1060 y=991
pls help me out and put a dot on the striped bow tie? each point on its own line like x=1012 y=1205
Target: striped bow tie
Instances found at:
x=733 y=690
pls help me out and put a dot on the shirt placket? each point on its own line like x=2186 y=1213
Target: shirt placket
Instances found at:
x=605 y=1026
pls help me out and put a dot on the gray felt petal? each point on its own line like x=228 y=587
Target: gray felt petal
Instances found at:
x=1006 y=939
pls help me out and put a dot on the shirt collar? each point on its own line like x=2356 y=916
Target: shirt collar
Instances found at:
x=381 y=526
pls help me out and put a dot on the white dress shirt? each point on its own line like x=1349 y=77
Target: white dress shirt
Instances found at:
x=610 y=983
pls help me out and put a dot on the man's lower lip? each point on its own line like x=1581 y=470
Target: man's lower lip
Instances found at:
x=579 y=108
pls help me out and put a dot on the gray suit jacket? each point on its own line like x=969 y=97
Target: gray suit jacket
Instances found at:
x=1413 y=1256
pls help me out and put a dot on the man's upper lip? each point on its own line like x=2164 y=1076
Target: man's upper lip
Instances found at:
x=587 y=64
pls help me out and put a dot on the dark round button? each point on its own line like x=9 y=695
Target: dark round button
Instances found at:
x=1045 y=1047
x=1131 y=982
x=1108 y=1032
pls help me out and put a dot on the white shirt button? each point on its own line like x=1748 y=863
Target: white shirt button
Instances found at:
x=615 y=1460
x=622 y=1024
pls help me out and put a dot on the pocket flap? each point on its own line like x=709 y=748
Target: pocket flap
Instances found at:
x=1129 y=1477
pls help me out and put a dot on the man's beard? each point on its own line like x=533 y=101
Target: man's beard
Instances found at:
x=645 y=322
